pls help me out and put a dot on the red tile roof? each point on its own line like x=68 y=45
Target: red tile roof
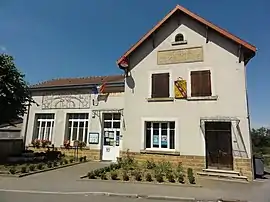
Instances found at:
x=61 y=82
x=196 y=17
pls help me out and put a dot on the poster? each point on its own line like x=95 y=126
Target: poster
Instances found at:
x=155 y=139
x=93 y=138
x=164 y=141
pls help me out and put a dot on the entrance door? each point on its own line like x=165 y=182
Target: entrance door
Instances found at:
x=218 y=145
x=111 y=136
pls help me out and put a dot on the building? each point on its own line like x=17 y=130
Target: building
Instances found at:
x=183 y=98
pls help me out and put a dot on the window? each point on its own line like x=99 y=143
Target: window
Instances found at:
x=179 y=38
x=44 y=124
x=77 y=127
x=112 y=120
x=160 y=135
x=160 y=85
x=200 y=83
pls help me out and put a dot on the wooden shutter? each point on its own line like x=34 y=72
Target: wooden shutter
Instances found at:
x=160 y=85
x=206 y=83
x=201 y=83
x=195 y=83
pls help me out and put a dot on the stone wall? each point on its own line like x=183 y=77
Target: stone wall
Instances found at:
x=91 y=154
x=197 y=163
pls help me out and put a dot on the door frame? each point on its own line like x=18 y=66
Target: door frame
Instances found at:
x=219 y=166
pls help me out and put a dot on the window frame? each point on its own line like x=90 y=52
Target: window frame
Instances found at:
x=212 y=80
x=164 y=71
x=165 y=120
x=38 y=126
x=78 y=120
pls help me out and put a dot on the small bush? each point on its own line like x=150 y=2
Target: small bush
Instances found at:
x=181 y=179
x=103 y=176
x=91 y=175
x=71 y=160
x=97 y=172
x=114 y=175
x=61 y=163
x=12 y=170
x=159 y=178
x=125 y=176
x=138 y=176
x=150 y=164
x=55 y=164
x=65 y=161
x=40 y=166
x=81 y=159
x=49 y=164
x=191 y=177
x=148 y=177
x=32 y=167
x=84 y=158
x=24 y=169
x=170 y=178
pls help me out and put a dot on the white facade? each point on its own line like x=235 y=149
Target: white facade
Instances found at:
x=179 y=123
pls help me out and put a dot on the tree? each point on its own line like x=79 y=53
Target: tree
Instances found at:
x=15 y=95
x=261 y=140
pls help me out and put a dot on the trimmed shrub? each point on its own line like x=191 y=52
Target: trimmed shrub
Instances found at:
x=125 y=176
x=55 y=164
x=40 y=166
x=91 y=175
x=71 y=160
x=148 y=177
x=32 y=167
x=61 y=163
x=170 y=178
x=159 y=178
x=138 y=176
x=181 y=179
x=114 y=175
x=191 y=177
x=12 y=170
x=103 y=176
x=49 y=164
x=24 y=169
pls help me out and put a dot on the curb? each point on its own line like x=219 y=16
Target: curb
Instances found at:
x=124 y=195
x=82 y=179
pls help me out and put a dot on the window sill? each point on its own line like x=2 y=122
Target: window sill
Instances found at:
x=179 y=43
x=165 y=99
x=202 y=98
x=171 y=153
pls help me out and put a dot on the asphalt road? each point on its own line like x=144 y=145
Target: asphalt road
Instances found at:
x=34 y=197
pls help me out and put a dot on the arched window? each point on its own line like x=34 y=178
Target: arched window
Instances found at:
x=179 y=37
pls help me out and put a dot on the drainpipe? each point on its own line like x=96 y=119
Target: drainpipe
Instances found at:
x=249 y=127
x=26 y=124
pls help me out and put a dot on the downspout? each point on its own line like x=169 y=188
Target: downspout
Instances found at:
x=249 y=127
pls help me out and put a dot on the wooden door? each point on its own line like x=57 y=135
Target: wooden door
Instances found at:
x=219 y=145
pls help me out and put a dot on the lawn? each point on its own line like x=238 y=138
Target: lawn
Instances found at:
x=128 y=169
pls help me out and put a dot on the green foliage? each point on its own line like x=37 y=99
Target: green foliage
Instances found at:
x=49 y=164
x=181 y=179
x=148 y=177
x=32 y=167
x=170 y=178
x=191 y=177
x=40 y=166
x=159 y=178
x=138 y=176
x=23 y=169
x=150 y=164
x=260 y=141
x=91 y=175
x=12 y=170
x=55 y=164
x=65 y=161
x=71 y=160
x=114 y=175
x=14 y=92
x=103 y=176
x=125 y=176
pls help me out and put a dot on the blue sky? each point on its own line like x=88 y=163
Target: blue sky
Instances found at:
x=74 y=38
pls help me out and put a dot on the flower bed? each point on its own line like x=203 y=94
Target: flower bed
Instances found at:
x=49 y=161
x=127 y=169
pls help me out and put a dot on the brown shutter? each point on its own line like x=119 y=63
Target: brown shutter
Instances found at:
x=195 y=83
x=160 y=85
x=206 y=83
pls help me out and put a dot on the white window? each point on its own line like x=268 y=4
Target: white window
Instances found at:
x=44 y=127
x=160 y=135
x=112 y=120
x=77 y=127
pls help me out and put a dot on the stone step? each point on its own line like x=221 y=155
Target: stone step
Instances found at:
x=221 y=171
x=222 y=176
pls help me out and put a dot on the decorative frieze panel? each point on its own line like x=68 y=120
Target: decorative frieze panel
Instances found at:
x=64 y=100
x=175 y=56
